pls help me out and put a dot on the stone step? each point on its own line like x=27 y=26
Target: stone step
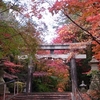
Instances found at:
x=43 y=96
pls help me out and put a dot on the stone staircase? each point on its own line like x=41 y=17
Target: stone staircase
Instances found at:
x=43 y=96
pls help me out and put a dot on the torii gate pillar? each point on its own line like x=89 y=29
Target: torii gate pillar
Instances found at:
x=73 y=77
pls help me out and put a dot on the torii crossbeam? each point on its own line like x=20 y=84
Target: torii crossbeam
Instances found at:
x=62 y=56
x=65 y=46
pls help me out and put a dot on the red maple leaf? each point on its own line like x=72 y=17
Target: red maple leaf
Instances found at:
x=8 y=63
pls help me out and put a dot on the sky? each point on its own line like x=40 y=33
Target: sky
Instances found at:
x=51 y=25
x=50 y=22
x=47 y=18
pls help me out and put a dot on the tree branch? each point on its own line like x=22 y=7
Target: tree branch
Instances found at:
x=3 y=11
x=8 y=8
x=81 y=27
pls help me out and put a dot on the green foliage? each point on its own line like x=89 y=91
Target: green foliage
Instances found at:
x=8 y=41
x=2 y=4
x=53 y=82
x=94 y=89
x=93 y=73
x=40 y=86
x=15 y=36
x=48 y=84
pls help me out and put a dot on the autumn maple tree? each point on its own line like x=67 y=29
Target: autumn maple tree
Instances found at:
x=84 y=26
x=18 y=37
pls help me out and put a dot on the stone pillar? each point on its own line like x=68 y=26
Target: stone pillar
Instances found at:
x=29 y=77
x=73 y=77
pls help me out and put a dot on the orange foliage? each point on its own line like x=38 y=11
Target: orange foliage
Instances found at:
x=66 y=33
x=59 y=69
x=88 y=17
x=96 y=50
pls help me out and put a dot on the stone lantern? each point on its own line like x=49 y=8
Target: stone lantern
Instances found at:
x=94 y=64
x=95 y=79
x=83 y=87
